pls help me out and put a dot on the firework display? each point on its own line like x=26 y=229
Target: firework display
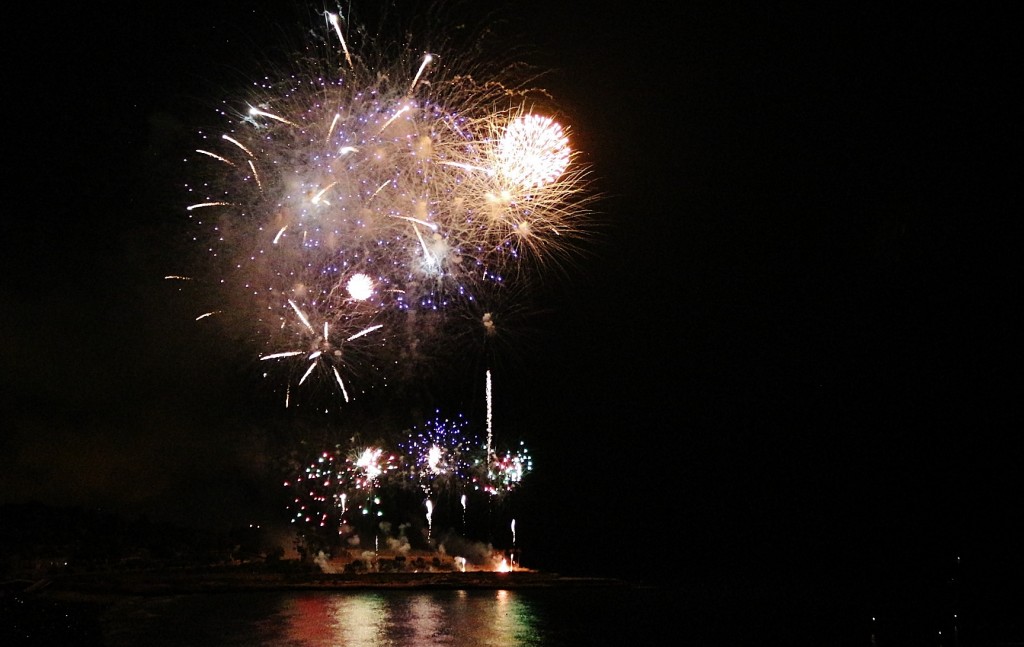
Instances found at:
x=439 y=455
x=357 y=210
x=346 y=492
x=505 y=470
x=361 y=213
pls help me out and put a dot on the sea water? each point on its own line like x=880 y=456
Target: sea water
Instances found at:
x=407 y=618
x=559 y=617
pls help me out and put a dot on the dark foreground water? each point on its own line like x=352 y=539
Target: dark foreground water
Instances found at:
x=407 y=618
x=471 y=618
x=476 y=618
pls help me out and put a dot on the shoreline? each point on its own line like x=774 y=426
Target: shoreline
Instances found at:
x=173 y=583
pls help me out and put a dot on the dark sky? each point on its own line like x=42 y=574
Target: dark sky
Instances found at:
x=787 y=351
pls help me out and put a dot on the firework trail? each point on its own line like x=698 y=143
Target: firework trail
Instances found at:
x=355 y=205
x=490 y=432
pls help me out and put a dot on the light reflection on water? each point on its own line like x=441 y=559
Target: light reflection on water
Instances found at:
x=497 y=618
x=570 y=617
x=486 y=618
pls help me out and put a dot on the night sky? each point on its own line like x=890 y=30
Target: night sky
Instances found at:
x=785 y=355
